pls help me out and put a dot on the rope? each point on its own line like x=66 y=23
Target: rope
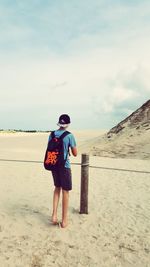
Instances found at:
x=78 y=164
x=19 y=160
x=117 y=169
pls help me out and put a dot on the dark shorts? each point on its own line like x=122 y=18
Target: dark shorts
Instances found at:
x=62 y=178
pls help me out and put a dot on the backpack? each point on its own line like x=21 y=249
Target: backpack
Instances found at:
x=54 y=155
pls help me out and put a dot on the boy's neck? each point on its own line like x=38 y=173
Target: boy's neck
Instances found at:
x=62 y=129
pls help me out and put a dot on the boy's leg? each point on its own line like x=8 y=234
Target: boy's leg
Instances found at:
x=56 y=197
x=65 y=202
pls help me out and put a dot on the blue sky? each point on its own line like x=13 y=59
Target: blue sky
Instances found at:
x=89 y=59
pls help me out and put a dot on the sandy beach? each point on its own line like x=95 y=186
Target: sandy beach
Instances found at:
x=115 y=233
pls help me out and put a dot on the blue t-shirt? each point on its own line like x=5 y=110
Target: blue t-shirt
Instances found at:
x=68 y=141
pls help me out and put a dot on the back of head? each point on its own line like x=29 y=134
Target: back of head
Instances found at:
x=64 y=121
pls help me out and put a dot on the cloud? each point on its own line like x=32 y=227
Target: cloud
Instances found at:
x=57 y=85
x=89 y=60
x=65 y=26
x=127 y=92
x=91 y=85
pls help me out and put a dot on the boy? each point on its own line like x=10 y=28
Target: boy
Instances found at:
x=62 y=175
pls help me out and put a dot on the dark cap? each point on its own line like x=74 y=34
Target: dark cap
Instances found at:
x=64 y=120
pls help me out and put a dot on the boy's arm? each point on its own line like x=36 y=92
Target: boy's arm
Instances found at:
x=74 y=151
x=73 y=145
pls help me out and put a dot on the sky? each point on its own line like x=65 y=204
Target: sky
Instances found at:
x=88 y=59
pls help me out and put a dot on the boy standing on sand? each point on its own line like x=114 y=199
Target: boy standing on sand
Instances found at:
x=62 y=175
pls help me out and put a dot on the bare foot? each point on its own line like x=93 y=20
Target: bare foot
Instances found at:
x=54 y=220
x=64 y=224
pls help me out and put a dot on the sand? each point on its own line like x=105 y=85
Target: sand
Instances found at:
x=115 y=233
x=129 y=143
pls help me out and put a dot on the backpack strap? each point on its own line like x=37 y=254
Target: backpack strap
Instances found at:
x=63 y=135
x=52 y=134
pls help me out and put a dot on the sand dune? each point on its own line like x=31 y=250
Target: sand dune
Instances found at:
x=128 y=145
x=115 y=232
x=128 y=139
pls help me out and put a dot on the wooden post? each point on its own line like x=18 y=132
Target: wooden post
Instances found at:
x=84 y=184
